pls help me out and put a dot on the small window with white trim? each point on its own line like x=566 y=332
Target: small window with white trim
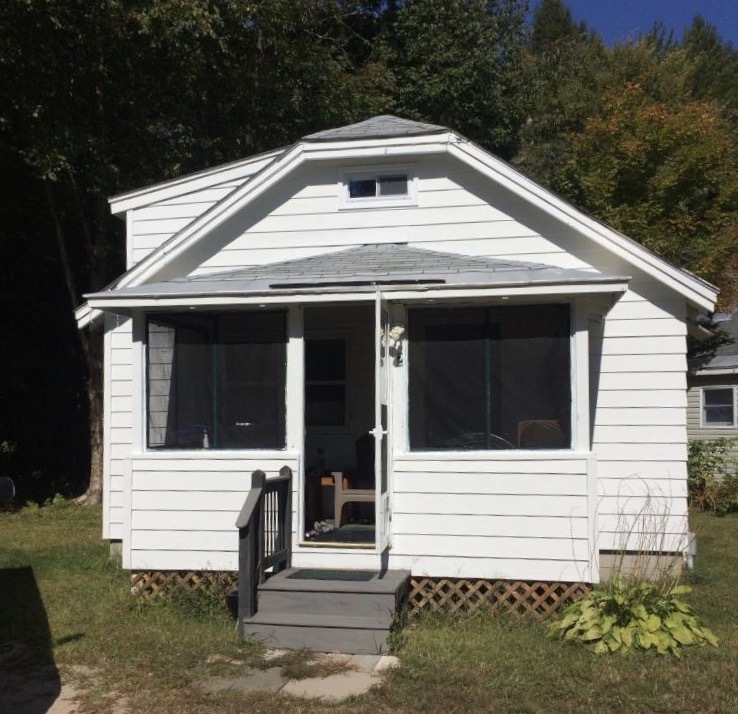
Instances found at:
x=718 y=406
x=366 y=189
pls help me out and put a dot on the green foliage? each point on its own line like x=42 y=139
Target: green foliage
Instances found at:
x=712 y=475
x=642 y=135
x=459 y=63
x=666 y=175
x=626 y=615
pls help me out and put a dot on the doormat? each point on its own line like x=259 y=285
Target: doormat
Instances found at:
x=359 y=576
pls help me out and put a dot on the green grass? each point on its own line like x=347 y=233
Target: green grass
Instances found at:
x=155 y=653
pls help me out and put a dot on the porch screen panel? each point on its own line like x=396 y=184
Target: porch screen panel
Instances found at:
x=216 y=380
x=494 y=378
x=251 y=380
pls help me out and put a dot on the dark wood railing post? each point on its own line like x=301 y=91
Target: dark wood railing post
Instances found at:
x=264 y=536
x=285 y=516
x=249 y=558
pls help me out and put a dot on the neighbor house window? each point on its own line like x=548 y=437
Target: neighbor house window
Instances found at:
x=718 y=406
x=216 y=380
x=490 y=378
x=377 y=188
x=325 y=382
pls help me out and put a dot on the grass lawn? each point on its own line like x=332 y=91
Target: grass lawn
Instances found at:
x=68 y=604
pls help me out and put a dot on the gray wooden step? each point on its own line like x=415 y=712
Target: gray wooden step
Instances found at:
x=328 y=611
x=382 y=605
x=319 y=633
x=379 y=597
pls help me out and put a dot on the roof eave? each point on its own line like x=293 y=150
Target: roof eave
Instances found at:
x=608 y=284
x=122 y=202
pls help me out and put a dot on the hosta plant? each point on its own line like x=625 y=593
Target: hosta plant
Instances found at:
x=624 y=615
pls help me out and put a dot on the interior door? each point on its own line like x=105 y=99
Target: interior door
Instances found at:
x=382 y=430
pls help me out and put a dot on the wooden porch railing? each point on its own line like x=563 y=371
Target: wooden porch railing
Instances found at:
x=264 y=535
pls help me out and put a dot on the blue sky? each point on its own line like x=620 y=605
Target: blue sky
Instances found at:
x=619 y=19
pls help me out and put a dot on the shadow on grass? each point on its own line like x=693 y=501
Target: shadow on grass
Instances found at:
x=29 y=679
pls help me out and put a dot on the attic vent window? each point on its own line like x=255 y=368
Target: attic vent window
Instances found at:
x=373 y=189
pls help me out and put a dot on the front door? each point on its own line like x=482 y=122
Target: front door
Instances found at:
x=382 y=426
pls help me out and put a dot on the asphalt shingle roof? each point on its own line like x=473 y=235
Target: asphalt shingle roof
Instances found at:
x=726 y=356
x=363 y=267
x=379 y=127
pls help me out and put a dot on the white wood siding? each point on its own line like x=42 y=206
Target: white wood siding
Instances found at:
x=518 y=517
x=638 y=369
x=152 y=225
x=184 y=506
x=118 y=419
x=694 y=428
x=455 y=213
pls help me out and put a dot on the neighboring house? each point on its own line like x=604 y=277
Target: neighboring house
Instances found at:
x=712 y=397
x=389 y=287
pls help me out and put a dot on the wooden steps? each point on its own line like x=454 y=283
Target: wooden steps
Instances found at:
x=329 y=612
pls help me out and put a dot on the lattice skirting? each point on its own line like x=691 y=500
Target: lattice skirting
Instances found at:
x=425 y=594
x=466 y=595
x=151 y=584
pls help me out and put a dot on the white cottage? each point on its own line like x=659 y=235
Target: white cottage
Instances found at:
x=466 y=376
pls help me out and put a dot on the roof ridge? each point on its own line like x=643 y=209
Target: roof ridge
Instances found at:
x=380 y=126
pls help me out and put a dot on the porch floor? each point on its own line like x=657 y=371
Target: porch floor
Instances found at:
x=354 y=535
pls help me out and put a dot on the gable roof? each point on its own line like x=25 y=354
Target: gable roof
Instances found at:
x=213 y=176
x=725 y=356
x=379 y=127
x=362 y=268
x=385 y=137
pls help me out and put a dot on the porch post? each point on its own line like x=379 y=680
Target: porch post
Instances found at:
x=581 y=433
x=295 y=405
x=580 y=375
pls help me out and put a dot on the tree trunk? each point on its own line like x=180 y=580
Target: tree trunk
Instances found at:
x=93 y=349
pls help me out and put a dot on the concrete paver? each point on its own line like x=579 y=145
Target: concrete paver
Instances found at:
x=333 y=688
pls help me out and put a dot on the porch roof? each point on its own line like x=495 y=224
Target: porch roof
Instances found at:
x=365 y=269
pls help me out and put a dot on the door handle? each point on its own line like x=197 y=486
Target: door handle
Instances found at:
x=378 y=432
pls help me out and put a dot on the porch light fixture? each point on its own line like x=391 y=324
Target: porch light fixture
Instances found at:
x=395 y=337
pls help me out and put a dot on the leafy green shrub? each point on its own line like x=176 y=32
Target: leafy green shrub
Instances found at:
x=712 y=478
x=624 y=615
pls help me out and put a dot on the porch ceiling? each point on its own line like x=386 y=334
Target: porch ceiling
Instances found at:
x=364 y=268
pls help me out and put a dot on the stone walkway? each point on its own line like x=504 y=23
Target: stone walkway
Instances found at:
x=360 y=673
x=45 y=691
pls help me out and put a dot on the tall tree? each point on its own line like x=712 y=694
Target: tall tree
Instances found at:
x=100 y=96
x=553 y=24
x=715 y=64
x=566 y=69
x=460 y=63
x=665 y=175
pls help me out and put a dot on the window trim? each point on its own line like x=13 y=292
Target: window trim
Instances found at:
x=707 y=388
x=377 y=201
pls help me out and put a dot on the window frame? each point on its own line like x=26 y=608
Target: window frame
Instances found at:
x=576 y=444
x=704 y=424
x=163 y=315
x=377 y=201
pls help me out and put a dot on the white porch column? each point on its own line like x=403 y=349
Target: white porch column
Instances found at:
x=581 y=438
x=581 y=424
x=295 y=387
